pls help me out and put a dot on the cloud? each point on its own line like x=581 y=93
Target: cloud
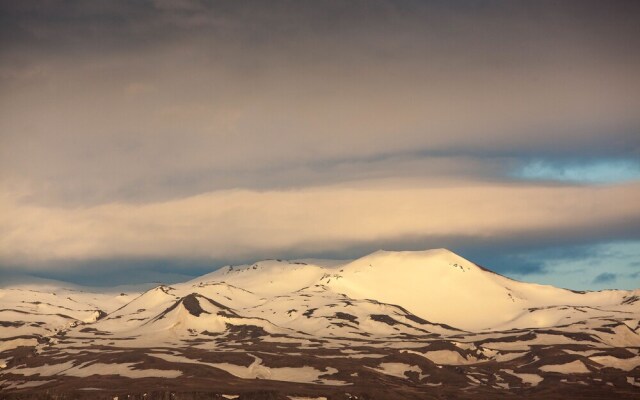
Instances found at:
x=139 y=103
x=237 y=223
x=605 y=277
x=567 y=260
x=511 y=264
x=231 y=131
x=576 y=265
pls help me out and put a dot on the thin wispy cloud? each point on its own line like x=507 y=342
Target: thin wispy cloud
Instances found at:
x=605 y=277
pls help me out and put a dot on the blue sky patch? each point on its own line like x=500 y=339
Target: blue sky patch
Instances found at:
x=591 y=172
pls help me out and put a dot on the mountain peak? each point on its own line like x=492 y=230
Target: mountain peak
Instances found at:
x=423 y=257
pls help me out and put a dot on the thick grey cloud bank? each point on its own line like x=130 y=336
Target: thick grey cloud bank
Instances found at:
x=166 y=131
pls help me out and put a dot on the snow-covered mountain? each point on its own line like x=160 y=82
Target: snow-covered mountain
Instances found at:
x=442 y=286
x=417 y=322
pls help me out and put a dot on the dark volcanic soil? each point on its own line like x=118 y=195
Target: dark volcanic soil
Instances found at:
x=361 y=376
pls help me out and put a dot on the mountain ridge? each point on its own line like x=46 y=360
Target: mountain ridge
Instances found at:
x=427 y=322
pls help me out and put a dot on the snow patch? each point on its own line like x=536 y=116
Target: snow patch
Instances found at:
x=530 y=379
x=12 y=344
x=257 y=370
x=445 y=357
x=574 y=367
x=307 y=398
x=625 y=364
x=398 y=370
x=88 y=369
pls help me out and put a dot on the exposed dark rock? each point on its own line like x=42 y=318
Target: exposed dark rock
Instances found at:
x=347 y=317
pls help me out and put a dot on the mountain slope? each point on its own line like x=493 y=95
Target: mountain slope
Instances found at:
x=439 y=285
x=267 y=278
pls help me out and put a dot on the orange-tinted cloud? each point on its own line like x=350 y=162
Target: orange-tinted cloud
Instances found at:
x=239 y=223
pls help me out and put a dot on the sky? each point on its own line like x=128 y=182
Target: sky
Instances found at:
x=154 y=140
